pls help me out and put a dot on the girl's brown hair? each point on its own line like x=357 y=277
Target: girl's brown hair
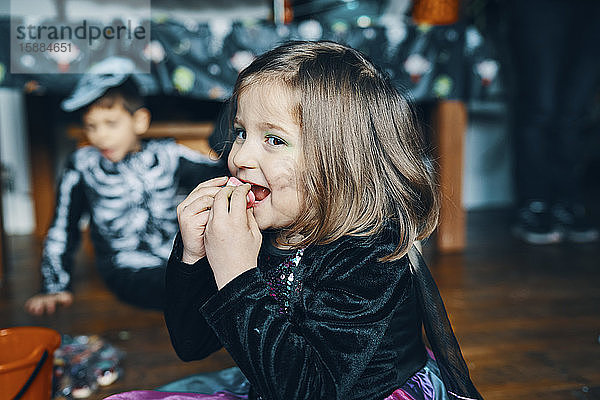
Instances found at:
x=363 y=161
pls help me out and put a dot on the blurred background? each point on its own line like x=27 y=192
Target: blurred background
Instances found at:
x=451 y=58
x=196 y=49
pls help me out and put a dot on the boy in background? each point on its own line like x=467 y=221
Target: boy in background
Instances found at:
x=128 y=187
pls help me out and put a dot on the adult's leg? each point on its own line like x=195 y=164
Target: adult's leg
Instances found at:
x=537 y=41
x=578 y=85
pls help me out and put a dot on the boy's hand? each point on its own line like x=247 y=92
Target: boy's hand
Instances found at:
x=48 y=302
x=192 y=214
x=233 y=238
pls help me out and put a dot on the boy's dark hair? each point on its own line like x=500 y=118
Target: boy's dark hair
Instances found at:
x=127 y=93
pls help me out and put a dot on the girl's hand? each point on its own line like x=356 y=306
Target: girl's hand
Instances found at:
x=192 y=214
x=232 y=237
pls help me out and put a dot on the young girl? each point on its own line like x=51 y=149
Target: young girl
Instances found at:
x=315 y=290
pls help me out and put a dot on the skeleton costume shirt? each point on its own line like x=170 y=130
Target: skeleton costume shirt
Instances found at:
x=133 y=220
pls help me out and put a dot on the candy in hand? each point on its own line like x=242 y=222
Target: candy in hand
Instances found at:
x=233 y=181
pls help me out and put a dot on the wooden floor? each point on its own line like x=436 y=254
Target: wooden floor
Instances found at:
x=527 y=317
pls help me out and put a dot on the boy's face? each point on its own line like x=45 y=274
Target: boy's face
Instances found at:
x=265 y=154
x=114 y=131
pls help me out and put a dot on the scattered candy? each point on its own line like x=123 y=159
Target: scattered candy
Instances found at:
x=82 y=363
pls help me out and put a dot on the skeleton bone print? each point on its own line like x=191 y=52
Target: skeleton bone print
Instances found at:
x=132 y=207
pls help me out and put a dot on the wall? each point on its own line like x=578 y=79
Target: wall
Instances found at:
x=16 y=192
x=488 y=158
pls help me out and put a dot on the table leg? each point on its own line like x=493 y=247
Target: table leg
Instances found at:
x=43 y=191
x=41 y=152
x=2 y=252
x=450 y=125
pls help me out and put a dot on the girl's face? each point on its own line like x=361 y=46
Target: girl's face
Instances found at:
x=266 y=152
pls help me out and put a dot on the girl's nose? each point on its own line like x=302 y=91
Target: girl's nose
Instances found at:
x=245 y=156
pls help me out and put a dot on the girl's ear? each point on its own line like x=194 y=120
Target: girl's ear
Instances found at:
x=141 y=121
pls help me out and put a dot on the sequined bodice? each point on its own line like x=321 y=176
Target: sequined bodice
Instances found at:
x=282 y=280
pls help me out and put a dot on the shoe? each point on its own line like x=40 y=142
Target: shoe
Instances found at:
x=575 y=223
x=535 y=224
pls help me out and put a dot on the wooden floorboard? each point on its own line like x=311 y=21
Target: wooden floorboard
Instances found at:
x=527 y=317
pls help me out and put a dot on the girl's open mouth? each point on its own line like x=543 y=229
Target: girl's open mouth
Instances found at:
x=257 y=192
x=260 y=192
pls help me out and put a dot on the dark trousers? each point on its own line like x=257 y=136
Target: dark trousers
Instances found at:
x=144 y=287
x=555 y=54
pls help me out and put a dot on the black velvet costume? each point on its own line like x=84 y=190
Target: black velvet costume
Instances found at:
x=348 y=327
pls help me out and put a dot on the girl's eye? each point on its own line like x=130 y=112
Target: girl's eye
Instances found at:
x=239 y=133
x=275 y=141
x=111 y=124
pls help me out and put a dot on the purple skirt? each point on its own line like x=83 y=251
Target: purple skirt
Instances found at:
x=426 y=384
x=155 y=395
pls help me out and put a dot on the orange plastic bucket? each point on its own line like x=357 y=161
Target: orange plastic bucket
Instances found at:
x=26 y=362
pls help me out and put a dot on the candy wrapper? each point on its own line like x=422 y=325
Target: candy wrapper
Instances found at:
x=250 y=199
